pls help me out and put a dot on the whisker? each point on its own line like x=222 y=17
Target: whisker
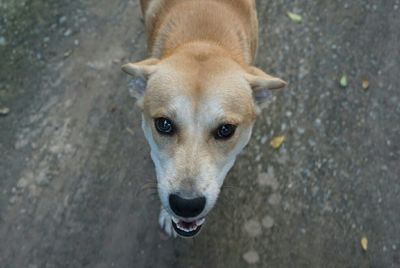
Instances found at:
x=147 y=191
x=231 y=187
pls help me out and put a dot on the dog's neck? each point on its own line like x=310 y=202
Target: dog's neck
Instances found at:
x=208 y=28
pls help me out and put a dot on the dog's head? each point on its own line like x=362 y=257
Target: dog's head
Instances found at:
x=198 y=111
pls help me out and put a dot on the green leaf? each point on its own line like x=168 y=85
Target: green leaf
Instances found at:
x=294 y=17
x=343 y=81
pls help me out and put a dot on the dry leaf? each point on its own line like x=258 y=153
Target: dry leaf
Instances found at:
x=294 y=17
x=277 y=141
x=364 y=243
x=365 y=84
x=343 y=81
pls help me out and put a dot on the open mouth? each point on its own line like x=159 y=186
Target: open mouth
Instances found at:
x=187 y=228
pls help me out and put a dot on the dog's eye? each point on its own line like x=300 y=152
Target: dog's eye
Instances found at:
x=224 y=132
x=164 y=126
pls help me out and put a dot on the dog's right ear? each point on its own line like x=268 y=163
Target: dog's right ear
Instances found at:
x=261 y=83
x=141 y=72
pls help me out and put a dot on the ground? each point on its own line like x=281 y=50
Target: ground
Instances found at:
x=77 y=182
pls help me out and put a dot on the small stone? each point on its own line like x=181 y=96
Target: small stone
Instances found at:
x=268 y=222
x=2 y=41
x=253 y=228
x=268 y=179
x=4 y=111
x=264 y=139
x=274 y=199
x=67 y=53
x=301 y=130
x=67 y=32
x=251 y=257
x=46 y=39
x=42 y=181
x=22 y=183
x=13 y=199
x=62 y=19
x=76 y=42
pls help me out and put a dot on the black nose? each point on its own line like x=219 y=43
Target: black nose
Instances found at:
x=186 y=207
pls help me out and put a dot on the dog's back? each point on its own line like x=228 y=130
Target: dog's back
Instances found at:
x=230 y=23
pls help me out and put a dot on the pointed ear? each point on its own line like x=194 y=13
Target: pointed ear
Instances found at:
x=141 y=72
x=261 y=83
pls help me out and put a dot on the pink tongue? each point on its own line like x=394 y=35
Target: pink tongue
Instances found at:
x=187 y=225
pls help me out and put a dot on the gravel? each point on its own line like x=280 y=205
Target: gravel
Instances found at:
x=252 y=228
x=251 y=257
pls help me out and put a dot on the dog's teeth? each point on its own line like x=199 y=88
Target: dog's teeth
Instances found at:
x=182 y=228
x=187 y=229
x=175 y=220
x=200 y=222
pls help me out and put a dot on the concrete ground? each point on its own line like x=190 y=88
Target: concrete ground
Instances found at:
x=77 y=183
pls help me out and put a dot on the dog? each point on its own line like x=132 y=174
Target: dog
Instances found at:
x=199 y=97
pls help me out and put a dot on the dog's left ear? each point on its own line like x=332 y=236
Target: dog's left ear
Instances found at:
x=261 y=83
x=141 y=71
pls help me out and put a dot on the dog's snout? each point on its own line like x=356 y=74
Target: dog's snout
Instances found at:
x=186 y=207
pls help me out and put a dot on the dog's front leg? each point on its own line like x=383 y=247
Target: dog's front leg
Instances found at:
x=165 y=223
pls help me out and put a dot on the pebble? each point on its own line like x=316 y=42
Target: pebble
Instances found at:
x=251 y=257
x=62 y=19
x=42 y=181
x=268 y=222
x=264 y=139
x=2 y=41
x=22 y=183
x=13 y=199
x=67 y=53
x=68 y=32
x=274 y=199
x=301 y=130
x=268 y=179
x=4 y=111
x=253 y=228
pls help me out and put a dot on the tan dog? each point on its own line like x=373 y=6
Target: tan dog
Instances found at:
x=199 y=95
